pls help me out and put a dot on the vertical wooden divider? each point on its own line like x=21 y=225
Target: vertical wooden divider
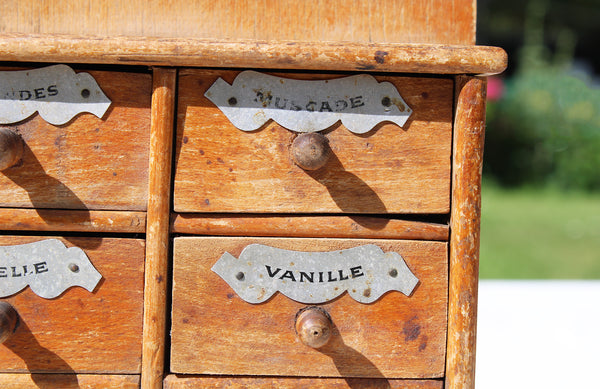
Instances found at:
x=157 y=227
x=469 y=130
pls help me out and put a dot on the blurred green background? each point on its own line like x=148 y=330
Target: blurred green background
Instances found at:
x=541 y=192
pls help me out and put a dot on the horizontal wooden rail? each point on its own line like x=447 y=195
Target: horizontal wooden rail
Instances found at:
x=307 y=226
x=22 y=219
x=20 y=381
x=341 y=56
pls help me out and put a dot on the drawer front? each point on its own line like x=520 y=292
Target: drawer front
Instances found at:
x=220 y=168
x=215 y=332
x=81 y=331
x=90 y=162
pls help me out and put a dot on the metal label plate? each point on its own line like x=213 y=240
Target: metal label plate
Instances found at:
x=360 y=102
x=366 y=272
x=47 y=266
x=56 y=92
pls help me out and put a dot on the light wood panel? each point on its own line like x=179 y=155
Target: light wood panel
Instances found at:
x=220 y=168
x=215 y=332
x=185 y=382
x=425 y=21
x=79 y=331
x=374 y=57
x=467 y=162
x=88 y=163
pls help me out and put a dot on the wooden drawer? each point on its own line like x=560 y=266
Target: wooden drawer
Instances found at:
x=220 y=168
x=82 y=332
x=90 y=162
x=215 y=332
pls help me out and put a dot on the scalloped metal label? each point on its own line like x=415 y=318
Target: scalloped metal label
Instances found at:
x=47 y=266
x=56 y=92
x=360 y=102
x=365 y=272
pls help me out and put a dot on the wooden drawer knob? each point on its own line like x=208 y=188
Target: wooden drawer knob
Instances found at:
x=8 y=320
x=313 y=326
x=310 y=151
x=11 y=148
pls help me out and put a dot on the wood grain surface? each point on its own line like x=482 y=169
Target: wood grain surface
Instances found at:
x=424 y=21
x=307 y=226
x=88 y=163
x=343 y=56
x=157 y=234
x=186 y=382
x=25 y=219
x=469 y=133
x=79 y=331
x=215 y=332
x=220 y=168
x=68 y=381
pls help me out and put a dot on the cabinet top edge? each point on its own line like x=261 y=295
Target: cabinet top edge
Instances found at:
x=289 y=55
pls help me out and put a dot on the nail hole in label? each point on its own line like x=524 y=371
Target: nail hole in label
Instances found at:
x=240 y=276
x=393 y=273
x=85 y=93
x=232 y=101
x=74 y=268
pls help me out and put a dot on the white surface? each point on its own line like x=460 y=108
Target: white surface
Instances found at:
x=538 y=334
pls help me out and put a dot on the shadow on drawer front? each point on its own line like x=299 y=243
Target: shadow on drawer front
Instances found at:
x=389 y=169
x=78 y=331
x=89 y=162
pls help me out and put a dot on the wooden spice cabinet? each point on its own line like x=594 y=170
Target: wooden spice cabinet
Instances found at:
x=160 y=187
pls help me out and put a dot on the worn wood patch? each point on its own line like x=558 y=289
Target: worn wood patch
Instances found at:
x=79 y=331
x=185 y=382
x=388 y=170
x=397 y=336
x=88 y=163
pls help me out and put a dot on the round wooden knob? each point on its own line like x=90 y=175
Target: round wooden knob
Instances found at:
x=313 y=326
x=310 y=151
x=11 y=148
x=8 y=320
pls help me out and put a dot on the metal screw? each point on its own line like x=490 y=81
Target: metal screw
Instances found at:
x=232 y=101
x=85 y=93
x=240 y=276
x=393 y=273
x=74 y=268
x=386 y=101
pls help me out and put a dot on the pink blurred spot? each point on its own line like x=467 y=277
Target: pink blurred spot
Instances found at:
x=495 y=88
